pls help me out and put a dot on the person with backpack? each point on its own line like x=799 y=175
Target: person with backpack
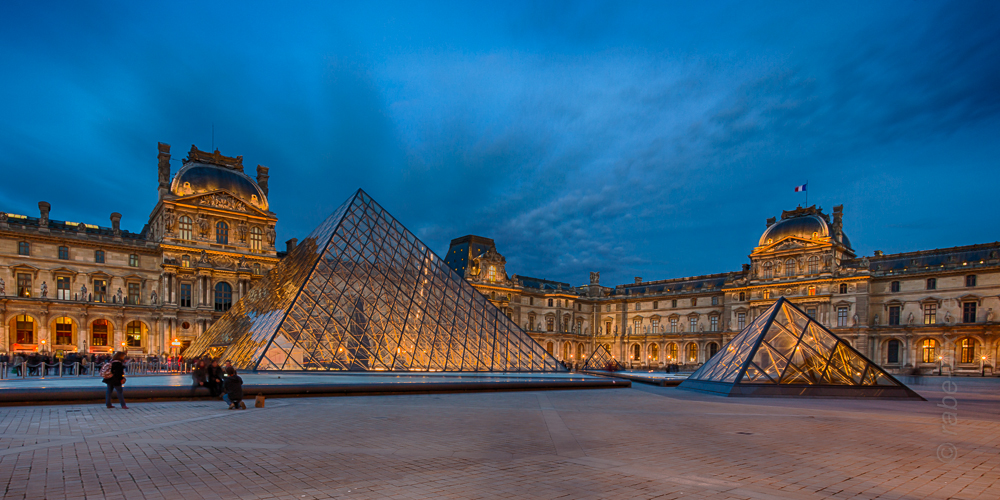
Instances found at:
x=113 y=374
x=234 y=390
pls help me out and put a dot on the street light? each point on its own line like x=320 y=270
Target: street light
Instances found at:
x=982 y=365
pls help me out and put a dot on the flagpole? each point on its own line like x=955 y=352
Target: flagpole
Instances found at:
x=807 y=192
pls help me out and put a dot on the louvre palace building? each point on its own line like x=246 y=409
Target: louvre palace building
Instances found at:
x=81 y=287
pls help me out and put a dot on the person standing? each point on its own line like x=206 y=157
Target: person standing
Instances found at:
x=116 y=380
x=214 y=378
x=198 y=376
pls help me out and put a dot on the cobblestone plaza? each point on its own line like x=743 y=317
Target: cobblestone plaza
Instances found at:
x=644 y=442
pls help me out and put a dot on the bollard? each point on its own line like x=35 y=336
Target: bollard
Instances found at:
x=41 y=370
x=61 y=366
x=24 y=369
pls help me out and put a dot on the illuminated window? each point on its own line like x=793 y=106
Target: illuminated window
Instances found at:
x=932 y=283
x=768 y=271
x=892 y=352
x=23 y=285
x=24 y=329
x=256 y=239
x=694 y=301
x=100 y=290
x=968 y=351
x=841 y=316
x=133 y=260
x=968 y=312
x=223 y=296
x=185 y=227
x=789 y=268
x=692 y=356
x=812 y=290
x=767 y=294
x=970 y=280
x=99 y=333
x=222 y=233
x=893 y=315
x=654 y=352
x=62 y=288
x=843 y=288
x=636 y=352
x=813 y=265
x=930 y=314
x=99 y=256
x=548 y=347
x=133 y=333
x=741 y=320
x=64 y=331
x=23 y=248
x=928 y=350
x=64 y=253
x=550 y=324
x=671 y=352
x=256 y=269
x=186 y=261
x=894 y=286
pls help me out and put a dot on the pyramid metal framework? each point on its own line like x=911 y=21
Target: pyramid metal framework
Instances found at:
x=783 y=352
x=601 y=359
x=362 y=293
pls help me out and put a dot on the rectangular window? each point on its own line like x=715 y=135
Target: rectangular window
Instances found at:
x=531 y=301
x=64 y=253
x=970 y=280
x=741 y=320
x=638 y=306
x=99 y=333
x=100 y=290
x=893 y=315
x=694 y=324
x=549 y=324
x=133 y=293
x=64 y=331
x=841 y=317
x=930 y=314
x=133 y=260
x=24 y=330
x=550 y=302
x=715 y=323
x=968 y=312
x=811 y=312
x=23 y=248
x=99 y=256
x=673 y=303
x=694 y=301
x=715 y=301
x=62 y=288
x=932 y=283
x=656 y=305
x=673 y=325
x=24 y=285
x=185 y=294
x=894 y=286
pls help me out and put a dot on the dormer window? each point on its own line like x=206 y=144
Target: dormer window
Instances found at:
x=815 y=235
x=186 y=261
x=769 y=240
x=253 y=198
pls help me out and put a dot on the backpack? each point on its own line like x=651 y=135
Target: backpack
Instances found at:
x=106 y=370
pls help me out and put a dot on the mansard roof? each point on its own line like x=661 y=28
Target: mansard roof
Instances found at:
x=969 y=256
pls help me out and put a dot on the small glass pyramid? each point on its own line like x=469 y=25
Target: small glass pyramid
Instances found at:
x=783 y=352
x=601 y=359
x=362 y=293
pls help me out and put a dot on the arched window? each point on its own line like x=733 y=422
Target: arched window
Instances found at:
x=892 y=352
x=713 y=348
x=491 y=274
x=654 y=352
x=928 y=351
x=548 y=347
x=767 y=294
x=768 y=271
x=256 y=239
x=99 y=331
x=134 y=332
x=968 y=351
x=223 y=296
x=567 y=351
x=185 y=228
x=813 y=265
x=64 y=331
x=579 y=351
x=636 y=352
x=222 y=233
x=24 y=329
x=789 y=268
x=843 y=288
x=692 y=353
x=672 y=352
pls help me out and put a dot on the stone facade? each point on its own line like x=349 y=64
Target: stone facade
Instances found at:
x=926 y=310
x=70 y=286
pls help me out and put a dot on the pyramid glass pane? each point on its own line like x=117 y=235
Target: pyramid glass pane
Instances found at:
x=362 y=293
x=601 y=359
x=784 y=352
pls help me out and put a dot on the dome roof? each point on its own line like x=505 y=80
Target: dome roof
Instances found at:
x=197 y=178
x=802 y=226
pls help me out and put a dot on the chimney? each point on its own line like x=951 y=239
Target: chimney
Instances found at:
x=262 y=178
x=116 y=219
x=43 y=209
x=290 y=244
x=638 y=280
x=163 y=164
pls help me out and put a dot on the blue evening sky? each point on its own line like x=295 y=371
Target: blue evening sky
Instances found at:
x=635 y=139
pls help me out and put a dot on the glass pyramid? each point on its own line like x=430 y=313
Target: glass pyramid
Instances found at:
x=362 y=293
x=601 y=359
x=783 y=352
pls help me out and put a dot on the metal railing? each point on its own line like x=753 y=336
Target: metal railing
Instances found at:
x=87 y=369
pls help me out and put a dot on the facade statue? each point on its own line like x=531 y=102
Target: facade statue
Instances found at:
x=270 y=235
x=909 y=319
x=947 y=317
x=865 y=262
x=875 y=320
x=203 y=258
x=45 y=290
x=203 y=226
x=118 y=294
x=855 y=319
x=3 y=288
x=243 y=262
x=83 y=292
x=989 y=315
x=595 y=278
x=168 y=223
x=241 y=230
x=152 y=298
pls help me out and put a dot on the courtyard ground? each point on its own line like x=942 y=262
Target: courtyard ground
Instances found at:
x=643 y=442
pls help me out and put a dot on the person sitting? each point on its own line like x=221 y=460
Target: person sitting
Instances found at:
x=234 y=390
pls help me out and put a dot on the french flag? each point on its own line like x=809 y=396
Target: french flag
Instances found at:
x=799 y=189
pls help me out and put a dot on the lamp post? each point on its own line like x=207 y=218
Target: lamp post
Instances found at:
x=982 y=366
x=940 y=360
